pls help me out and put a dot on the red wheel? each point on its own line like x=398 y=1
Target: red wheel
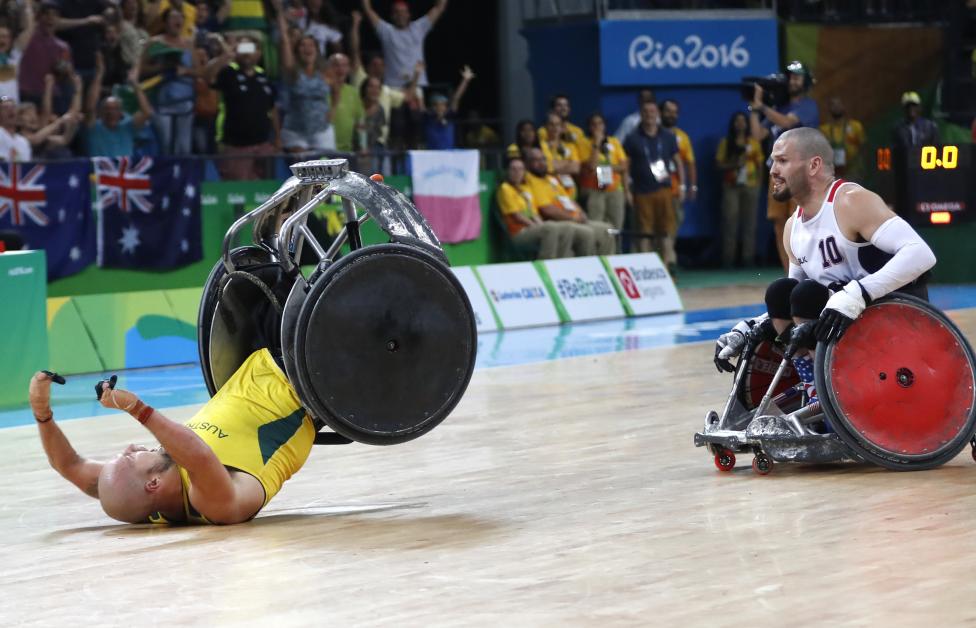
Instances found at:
x=725 y=460
x=762 y=464
x=763 y=363
x=900 y=386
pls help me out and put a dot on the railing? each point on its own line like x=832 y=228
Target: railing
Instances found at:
x=556 y=10
x=829 y=11
x=275 y=166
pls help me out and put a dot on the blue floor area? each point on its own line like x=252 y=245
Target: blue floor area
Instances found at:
x=183 y=385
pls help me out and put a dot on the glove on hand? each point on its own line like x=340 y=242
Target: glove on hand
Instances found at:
x=729 y=345
x=842 y=309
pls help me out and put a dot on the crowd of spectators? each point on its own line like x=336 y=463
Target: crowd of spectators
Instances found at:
x=567 y=189
x=243 y=78
x=647 y=170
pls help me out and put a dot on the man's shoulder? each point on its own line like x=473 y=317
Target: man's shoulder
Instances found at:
x=422 y=23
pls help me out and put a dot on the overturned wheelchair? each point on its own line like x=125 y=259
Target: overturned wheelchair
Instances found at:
x=378 y=342
x=898 y=390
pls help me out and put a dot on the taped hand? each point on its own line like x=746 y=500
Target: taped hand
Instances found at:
x=842 y=309
x=729 y=345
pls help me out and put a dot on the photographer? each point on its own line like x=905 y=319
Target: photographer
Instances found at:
x=782 y=114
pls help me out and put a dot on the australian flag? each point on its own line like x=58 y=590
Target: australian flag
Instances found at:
x=149 y=212
x=50 y=207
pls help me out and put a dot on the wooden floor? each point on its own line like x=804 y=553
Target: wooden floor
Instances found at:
x=562 y=493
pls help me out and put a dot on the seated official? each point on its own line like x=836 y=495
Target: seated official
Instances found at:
x=222 y=466
x=553 y=202
x=525 y=226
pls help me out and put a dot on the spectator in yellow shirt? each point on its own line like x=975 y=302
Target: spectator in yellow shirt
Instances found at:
x=553 y=202
x=740 y=158
x=572 y=134
x=846 y=136
x=525 y=138
x=679 y=191
x=525 y=226
x=603 y=164
x=562 y=156
x=154 y=16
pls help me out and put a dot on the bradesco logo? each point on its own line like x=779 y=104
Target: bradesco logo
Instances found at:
x=579 y=288
x=638 y=282
x=627 y=283
x=518 y=294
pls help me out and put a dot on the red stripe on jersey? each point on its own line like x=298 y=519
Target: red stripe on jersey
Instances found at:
x=833 y=190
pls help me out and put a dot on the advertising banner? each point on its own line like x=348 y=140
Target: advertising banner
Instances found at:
x=582 y=287
x=686 y=52
x=484 y=317
x=518 y=295
x=644 y=285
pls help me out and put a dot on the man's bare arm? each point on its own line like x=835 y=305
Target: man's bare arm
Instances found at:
x=212 y=483
x=62 y=457
x=436 y=11
x=371 y=15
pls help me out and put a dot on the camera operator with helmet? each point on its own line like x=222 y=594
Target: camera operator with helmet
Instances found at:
x=782 y=111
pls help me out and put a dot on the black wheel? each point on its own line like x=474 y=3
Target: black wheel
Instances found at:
x=240 y=257
x=385 y=344
x=899 y=387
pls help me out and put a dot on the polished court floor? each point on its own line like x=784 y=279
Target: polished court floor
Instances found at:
x=564 y=490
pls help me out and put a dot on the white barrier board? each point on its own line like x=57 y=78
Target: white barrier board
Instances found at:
x=645 y=285
x=583 y=288
x=517 y=294
x=483 y=316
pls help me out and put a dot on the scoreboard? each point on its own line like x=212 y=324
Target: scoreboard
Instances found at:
x=931 y=185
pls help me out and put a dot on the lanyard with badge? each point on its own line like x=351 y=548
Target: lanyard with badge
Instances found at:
x=658 y=168
x=565 y=179
x=604 y=171
x=564 y=200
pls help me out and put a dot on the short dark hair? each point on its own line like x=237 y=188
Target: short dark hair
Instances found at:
x=369 y=55
x=645 y=94
x=671 y=101
x=552 y=101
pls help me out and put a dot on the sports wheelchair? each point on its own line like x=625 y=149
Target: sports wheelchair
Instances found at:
x=898 y=389
x=378 y=342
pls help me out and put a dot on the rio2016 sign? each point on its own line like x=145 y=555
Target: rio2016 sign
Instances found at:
x=682 y=52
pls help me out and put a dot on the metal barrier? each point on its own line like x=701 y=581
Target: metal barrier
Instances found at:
x=228 y=167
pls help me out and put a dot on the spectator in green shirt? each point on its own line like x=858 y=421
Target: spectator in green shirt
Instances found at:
x=346 y=104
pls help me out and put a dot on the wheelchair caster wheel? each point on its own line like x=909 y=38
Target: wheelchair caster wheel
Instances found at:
x=762 y=464
x=725 y=460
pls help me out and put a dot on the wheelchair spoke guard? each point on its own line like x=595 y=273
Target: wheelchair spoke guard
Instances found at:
x=384 y=345
x=900 y=386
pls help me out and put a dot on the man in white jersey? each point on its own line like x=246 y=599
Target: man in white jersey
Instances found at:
x=841 y=236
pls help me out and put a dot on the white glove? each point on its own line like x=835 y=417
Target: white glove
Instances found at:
x=729 y=345
x=842 y=309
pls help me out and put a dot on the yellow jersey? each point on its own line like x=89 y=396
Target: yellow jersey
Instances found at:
x=254 y=424
x=514 y=200
x=687 y=155
x=572 y=134
x=565 y=152
x=548 y=191
x=750 y=172
x=611 y=155
x=846 y=137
